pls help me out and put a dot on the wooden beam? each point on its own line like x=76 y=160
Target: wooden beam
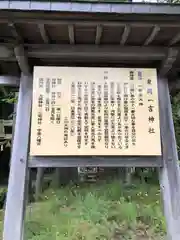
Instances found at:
x=168 y=62
x=99 y=30
x=56 y=162
x=15 y=33
x=89 y=51
x=22 y=59
x=71 y=34
x=152 y=35
x=82 y=51
x=90 y=22
x=43 y=33
x=175 y=39
x=9 y=81
x=125 y=34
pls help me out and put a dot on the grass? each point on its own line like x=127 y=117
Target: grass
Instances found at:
x=103 y=211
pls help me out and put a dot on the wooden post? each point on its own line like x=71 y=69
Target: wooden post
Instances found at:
x=15 y=202
x=39 y=182
x=169 y=173
x=65 y=175
x=121 y=174
x=128 y=177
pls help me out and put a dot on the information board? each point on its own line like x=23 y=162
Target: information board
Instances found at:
x=95 y=111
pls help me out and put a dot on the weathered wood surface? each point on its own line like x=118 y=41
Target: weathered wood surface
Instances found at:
x=15 y=202
x=169 y=173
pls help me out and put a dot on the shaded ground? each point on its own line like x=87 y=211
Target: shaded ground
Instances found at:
x=103 y=212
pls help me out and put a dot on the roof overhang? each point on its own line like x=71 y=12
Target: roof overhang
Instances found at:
x=89 y=34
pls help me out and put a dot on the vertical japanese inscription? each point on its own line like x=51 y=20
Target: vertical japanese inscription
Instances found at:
x=86 y=113
x=140 y=95
x=53 y=102
x=131 y=75
x=39 y=113
x=79 y=115
x=40 y=100
x=53 y=82
x=99 y=105
x=113 y=112
x=57 y=95
x=151 y=117
x=41 y=83
x=58 y=115
x=126 y=119
x=119 y=116
x=140 y=88
x=47 y=106
x=133 y=114
x=93 y=116
x=66 y=131
x=73 y=108
x=106 y=115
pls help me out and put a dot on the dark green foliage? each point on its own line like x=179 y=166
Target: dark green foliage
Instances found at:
x=9 y=98
x=3 y=191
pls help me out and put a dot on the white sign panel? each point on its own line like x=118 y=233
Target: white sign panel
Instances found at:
x=95 y=111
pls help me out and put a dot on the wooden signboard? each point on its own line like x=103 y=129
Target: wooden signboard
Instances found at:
x=95 y=111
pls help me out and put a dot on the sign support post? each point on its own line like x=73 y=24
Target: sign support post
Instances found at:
x=169 y=173
x=16 y=199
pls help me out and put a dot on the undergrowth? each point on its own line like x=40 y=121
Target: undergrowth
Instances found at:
x=105 y=211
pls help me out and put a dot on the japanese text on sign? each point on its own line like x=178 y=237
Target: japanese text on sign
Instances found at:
x=95 y=111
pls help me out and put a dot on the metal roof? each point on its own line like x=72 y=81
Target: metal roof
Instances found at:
x=89 y=34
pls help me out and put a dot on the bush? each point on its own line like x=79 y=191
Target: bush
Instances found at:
x=100 y=211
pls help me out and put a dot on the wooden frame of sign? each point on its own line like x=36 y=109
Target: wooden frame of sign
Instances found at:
x=109 y=54
x=20 y=163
